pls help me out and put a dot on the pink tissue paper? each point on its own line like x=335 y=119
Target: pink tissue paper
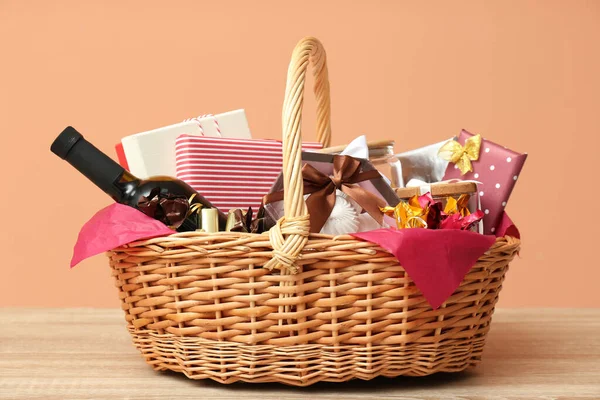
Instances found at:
x=114 y=226
x=437 y=260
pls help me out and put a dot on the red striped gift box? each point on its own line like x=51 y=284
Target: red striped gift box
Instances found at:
x=230 y=173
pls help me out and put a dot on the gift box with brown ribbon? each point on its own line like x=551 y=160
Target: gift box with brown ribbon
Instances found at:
x=343 y=195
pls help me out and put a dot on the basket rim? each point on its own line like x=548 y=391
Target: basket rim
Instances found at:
x=184 y=238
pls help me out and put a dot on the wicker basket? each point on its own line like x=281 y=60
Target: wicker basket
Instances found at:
x=292 y=307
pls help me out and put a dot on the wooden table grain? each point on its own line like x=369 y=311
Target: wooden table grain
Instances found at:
x=87 y=354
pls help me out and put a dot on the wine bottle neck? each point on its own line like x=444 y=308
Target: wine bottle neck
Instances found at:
x=99 y=168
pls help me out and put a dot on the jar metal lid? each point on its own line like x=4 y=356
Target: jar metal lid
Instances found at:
x=377 y=144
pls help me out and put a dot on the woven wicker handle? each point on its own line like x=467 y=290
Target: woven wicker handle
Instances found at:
x=290 y=234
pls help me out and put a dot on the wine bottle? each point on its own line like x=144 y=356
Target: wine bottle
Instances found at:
x=164 y=198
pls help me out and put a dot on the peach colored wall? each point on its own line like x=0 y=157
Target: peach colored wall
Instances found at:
x=524 y=73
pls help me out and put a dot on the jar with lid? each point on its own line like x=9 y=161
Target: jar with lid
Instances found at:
x=441 y=191
x=382 y=156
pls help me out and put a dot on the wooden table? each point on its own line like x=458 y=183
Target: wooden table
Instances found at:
x=87 y=354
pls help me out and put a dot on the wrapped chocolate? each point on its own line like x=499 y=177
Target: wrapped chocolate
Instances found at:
x=460 y=206
x=459 y=214
x=422 y=211
x=457 y=221
x=258 y=224
x=409 y=214
x=171 y=210
x=343 y=195
x=423 y=164
x=239 y=220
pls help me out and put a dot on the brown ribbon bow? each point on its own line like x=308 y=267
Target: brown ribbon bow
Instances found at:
x=346 y=176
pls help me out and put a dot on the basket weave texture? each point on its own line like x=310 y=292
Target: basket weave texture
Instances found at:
x=292 y=307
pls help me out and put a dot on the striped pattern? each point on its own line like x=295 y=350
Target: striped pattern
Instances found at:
x=230 y=173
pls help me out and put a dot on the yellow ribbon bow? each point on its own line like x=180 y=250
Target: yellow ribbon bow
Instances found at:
x=462 y=156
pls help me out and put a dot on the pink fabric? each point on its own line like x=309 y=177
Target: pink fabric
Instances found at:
x=437 y=260
x=507 y=228
x=112 y=227
x=497 y=169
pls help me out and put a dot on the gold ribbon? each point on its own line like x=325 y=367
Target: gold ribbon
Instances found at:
x=194 y=207
x=346 y=176
x=462 y=156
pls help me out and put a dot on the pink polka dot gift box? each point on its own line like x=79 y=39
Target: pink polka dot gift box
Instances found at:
x=497 y=168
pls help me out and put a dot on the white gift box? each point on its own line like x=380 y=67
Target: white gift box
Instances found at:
x=152 y=153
